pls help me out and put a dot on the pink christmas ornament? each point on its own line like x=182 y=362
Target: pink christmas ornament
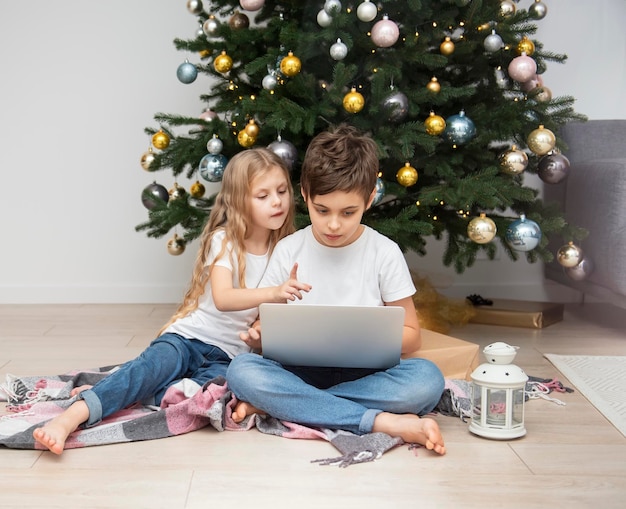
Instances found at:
x=251 y=5
x=385 y=33
x=522 y=68
x=532 y=83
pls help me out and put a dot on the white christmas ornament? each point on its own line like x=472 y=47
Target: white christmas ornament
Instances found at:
x=332 y=6
x=323 y=19
x=367 y=11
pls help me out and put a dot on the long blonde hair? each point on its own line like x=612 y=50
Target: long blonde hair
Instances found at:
x=231 y=213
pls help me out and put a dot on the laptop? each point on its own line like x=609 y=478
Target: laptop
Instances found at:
x=332 y=336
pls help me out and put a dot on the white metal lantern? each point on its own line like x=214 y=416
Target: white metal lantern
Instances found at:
x=498 y=393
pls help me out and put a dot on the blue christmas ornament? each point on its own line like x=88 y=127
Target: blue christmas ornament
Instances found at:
x=380 y=191
x=212 y=167
x=459 y=129
x=187 y=72
x=523 y=234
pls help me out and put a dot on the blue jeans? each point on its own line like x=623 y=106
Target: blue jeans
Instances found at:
x=335 y=398
x=167 y=360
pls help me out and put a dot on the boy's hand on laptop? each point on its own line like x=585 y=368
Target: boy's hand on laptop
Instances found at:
x=252 y=337
x=292 y=289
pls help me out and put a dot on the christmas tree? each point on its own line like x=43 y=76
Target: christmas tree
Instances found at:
x=451 y=90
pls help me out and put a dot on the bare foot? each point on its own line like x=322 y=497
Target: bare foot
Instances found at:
x=243 y=410
x=412 y=429
x=54 y=433
x=78 y=390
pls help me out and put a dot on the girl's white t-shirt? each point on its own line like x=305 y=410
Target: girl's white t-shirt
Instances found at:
x=369 y=272
x=222 y=328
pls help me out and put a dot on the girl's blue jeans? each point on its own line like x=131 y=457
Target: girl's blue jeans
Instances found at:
x=335 y=398
x=167 y=360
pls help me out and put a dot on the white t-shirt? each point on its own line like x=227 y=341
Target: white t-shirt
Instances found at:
x=369 y=272
x=222 y=328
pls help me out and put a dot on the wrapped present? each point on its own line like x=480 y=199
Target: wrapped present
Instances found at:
x=518 y=313
x=455 y=357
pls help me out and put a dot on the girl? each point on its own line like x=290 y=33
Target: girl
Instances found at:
x=253 y=210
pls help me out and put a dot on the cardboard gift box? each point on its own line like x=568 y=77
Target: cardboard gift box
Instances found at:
x=455 y=358
x=518 y=313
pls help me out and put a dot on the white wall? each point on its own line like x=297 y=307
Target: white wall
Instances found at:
x=80 y=82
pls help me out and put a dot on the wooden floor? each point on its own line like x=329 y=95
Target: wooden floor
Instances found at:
x=571 y=456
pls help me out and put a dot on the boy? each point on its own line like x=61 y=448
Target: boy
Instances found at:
x=348 y=264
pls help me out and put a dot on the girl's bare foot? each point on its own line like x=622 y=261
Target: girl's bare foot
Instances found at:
x=78 y=390
x=412 y=429
x=54 y=433
x=243 y=410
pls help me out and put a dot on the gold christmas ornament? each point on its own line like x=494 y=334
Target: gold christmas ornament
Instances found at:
x=541 y=94
x=245 y=140
x=223 y=63
x=407 y=175
x=435 y=124
x=569 y=255
x=146 y=159
x=176 y=245
x=525 y=46
x=446 y=47
x=177 y=192
x=541 y=141
x=513 y=161
x=481 y=229
x=160 y=140
x=507 y=8
x=433 y=85
x=252 y=129
x=353 y=101
x=290 y=65
x=197 y=189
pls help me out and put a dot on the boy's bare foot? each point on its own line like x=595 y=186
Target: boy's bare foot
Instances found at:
x=54 y=433
x=78 y=390
x=243 y=410
x=412 y=429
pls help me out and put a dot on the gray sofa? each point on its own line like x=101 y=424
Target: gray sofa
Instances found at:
x=593 y=196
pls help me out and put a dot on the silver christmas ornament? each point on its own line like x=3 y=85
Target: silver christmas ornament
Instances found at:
x=581 y=271
x=339 y=50
x=214 y=145
x=211 y=26
x=538 y=10
x=269 y=82
x=151 y=192
x=396 y=106
x=493 y=42
x=286 y=150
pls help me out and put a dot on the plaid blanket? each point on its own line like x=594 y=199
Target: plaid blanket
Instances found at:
x=185 y=407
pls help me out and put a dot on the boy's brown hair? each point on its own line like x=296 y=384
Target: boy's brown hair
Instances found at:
x=340 y=159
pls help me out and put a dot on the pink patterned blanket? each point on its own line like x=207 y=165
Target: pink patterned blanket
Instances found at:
x=185 y=408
